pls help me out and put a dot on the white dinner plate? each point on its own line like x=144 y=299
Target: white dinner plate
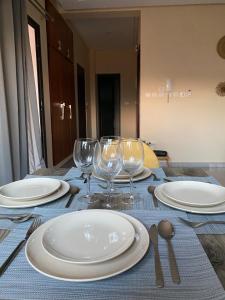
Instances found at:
x=64 y=188
x=29 y=189
x=145 y=174
x=90 y=237
x=194 y=193
x=47 y=265
x=123 y=175
x=217 y=209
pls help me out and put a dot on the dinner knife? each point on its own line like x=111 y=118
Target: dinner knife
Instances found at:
x=153 y=232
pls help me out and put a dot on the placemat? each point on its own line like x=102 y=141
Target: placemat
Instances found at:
x=198 y=279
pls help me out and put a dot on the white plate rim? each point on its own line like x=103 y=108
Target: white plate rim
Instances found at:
x=117 y=253
x=218 y=209
x=24 y=198
x=144 y=247
x=196 y=183
x=52 y=197
x=145 y=174
x=126 y=176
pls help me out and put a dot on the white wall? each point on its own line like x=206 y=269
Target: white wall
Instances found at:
x=180 y=43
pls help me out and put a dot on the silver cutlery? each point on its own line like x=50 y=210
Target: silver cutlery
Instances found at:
x=199 y=224
x=35 y=224
x=73 y=191
x=153 y=232
x=151 y=190
x=166 y=231
x=3 y=234
x=81 y=177
x=19 y=218
x=156 y=178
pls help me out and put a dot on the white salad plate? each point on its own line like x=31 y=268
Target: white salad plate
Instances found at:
x=47 y=265
x=29 y=189
x=64 y=188
x=143 y=175
x=217 y=209
x=123 y=175
x=90 y=237
x=195 y=193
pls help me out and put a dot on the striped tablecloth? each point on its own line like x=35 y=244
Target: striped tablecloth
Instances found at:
x=198 y=279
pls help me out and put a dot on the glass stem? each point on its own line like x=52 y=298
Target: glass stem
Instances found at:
x=131 y=186
x=88 y=185
x=108 y=187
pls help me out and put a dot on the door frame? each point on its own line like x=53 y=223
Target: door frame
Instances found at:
x=118 y=104
x=36 y=28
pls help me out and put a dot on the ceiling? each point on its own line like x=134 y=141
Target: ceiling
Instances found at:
x=99 y=4
x=107 y=32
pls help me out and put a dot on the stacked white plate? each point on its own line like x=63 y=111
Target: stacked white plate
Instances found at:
x=87 y=245
x=123 y=177
x=32 y=192
x=192 y=196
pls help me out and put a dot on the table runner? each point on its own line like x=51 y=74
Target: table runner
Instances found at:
x=198 y=279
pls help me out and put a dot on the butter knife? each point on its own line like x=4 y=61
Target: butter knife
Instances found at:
x=153 y=232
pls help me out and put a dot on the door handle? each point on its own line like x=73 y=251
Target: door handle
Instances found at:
x=70 y=108
x=62 y=107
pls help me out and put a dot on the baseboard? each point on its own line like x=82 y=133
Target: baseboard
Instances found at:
x=193 y=164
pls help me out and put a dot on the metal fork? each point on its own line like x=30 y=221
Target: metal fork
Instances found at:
x=18 y=218
x=155 y=178
x=35 y=224
x=199 y=224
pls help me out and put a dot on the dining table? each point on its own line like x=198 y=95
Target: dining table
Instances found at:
x=200 y=252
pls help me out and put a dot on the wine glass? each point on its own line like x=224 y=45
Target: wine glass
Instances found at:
x=107 y=163
x=83 y=154
x=114 y=139
x=132 y=159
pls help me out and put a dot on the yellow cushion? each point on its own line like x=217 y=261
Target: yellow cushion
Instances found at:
x=150 y=160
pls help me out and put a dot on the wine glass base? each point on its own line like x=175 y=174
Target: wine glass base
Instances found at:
x=132 y=198
x=86 y=198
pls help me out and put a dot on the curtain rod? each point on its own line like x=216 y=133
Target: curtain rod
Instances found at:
x=42 y=10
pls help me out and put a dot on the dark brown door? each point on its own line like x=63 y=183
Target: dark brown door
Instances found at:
x=81 y=101
x=108 y=104
x=61 y=84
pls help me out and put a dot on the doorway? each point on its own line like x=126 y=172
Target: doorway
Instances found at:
x=35 y=46
x=81 y=101
x=108 y=87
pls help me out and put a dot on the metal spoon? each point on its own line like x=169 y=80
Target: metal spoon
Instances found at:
x=166 y=231
x=73 y=191
x=151 y=190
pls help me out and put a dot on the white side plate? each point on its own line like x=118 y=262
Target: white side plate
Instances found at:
x=124 y=175
x=47 y=265
x=194 y=193
x=92 y=236
x=196 y=210
x=29 y=189
x=64 y=188
x=145 y=174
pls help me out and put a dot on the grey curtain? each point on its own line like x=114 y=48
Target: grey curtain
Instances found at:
x=20 y=139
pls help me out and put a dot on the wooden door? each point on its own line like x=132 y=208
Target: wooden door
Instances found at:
x=108 y=104
x=81 y=101
x=57 y=104
x=61 y=83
